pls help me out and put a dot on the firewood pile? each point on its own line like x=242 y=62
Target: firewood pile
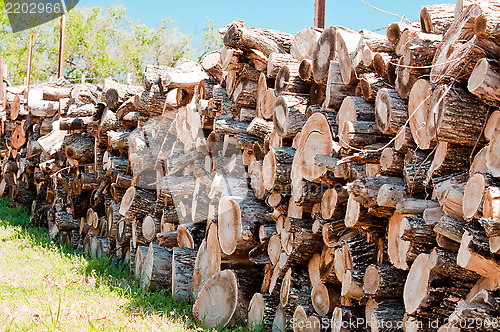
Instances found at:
x=332 y=180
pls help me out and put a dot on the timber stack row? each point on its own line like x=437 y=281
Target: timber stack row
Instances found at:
x=332 y=180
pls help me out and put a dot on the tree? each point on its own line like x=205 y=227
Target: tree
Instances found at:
x=210 y=39
x=100 y=43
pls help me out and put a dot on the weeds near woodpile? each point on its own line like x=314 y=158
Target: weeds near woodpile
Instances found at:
x=47 y=286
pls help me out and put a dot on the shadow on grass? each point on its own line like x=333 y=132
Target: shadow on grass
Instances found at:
x=111 y=273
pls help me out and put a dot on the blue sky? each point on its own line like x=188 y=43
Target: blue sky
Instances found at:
x=285 y=15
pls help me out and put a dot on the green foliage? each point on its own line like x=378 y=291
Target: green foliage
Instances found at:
x=100 y=43
x=210 y=39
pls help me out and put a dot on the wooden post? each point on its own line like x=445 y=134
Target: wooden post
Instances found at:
x=61 y=45
x=319 y=14
x=28 y=69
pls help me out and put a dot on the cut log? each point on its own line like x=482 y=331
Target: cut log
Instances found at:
x=424 y=289
x=346 y=44
x=370 y=44
x=295 y=289
x=305 y=69
x=370 y=84
x=445 y=116
x=336 y=90
x=279 y=321
x=324 y=299
x=137 y=202
x=140 y=255
x=474 y=255
x=244 y=94
x=212 y=64
x=449 y=159
x=405 y=78
x=436 y=18
x=391 y=111
x=415 y=205
x=260 y=127
x=352 y=284
x=355 y=109
x=276 y=61
x=384 y=314
x=358 y=134
x=474 y=193
x=415 y=230
x=491 y=205
x=343 y=319
x=325 y=49
x=208 y=260
x=304 y=42
x=277 y=167
x=150 y=227
x=392 y=162
x=65 y=222
x=233 y=291
x=124 y=232
x=157 y=268
x=43 y=108
x=491 y=125
x=394 y=30
x=365 y=191
x=183 y=261
x=75 y=123
x=289 y=115
x=444 y=262
x=383 y=281
x=474 y=312
x=266 y=41
x=418 y=109
x=288 y=80
x=298 y=241
x=190 y=235
x=239 y=220
x=390 y=194
x=316 y=139
x=457 y=55
x=449 y=192
x=115 y=94
x=401 y=252
x=483 y=81
x=79 y=147
x=332 y=202
x=54 y=93
x=261 y=311
x=493 y=155
x=417 y=164
x=267 y=104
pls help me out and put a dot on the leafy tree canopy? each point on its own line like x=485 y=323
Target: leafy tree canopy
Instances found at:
x=100 y=43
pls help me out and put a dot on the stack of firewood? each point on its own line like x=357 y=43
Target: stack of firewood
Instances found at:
x=332 y=180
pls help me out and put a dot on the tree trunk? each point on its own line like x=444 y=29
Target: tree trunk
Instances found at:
x=304 y=42
x=384 y=281
x=391 y=111
x=436 y=18
x=276 y=61
x=289 y=115
x=336 y=90
x=183 y=261
x=137 y=202
x=157 y=268
x=452 y=125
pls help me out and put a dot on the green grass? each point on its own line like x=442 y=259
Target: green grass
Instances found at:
x=47 y=286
